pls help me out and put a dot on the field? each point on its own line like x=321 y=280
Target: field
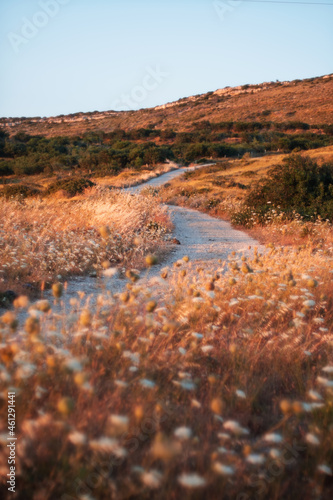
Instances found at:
x=43 y=241
x=203 y=379
x=224 y=385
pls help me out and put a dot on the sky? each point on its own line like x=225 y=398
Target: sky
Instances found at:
x=66 y=56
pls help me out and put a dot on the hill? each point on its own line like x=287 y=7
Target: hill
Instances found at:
x=308 y=100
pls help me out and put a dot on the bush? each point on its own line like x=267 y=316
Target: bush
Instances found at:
x=71 y=186
x=298 y=185
x=18 y=191
x=5 y=168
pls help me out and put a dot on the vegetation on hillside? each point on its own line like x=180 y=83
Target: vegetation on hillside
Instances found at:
x=99 y=153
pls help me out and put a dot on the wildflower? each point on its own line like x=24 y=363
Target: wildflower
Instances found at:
x=309 y=303
x=152 y=479
x=191 y=480
x=235 y=427
x=325 y=382
x=121 y=384
x=25 y=371
x=240 y=394
x=315 y=396
x=183 y=433
x=149 y=384
x=233 y=302
x=312 y=439
x=119 y=422
x=73 y=364
x=325 y=469
x=224 y=470
x=207 y=348
x=328 y=369
x=197 y=335
x=187 y=385
x=110 y=272
x=255 y=459
x=108 y=445
x=223 y=435
x=133 y=356
x=273 y=437
x=77 y=438
x=275 y=453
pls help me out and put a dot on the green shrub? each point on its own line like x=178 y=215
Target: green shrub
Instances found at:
x=298 y=185
x=71 y=186
x=5 y=168
x=18 y=191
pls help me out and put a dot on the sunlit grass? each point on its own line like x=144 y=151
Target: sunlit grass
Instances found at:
x=53 y=239
x=221 y=385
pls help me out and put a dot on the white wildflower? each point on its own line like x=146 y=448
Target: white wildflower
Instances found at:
x=191 y=480
x=224 y=470
x=183 y=433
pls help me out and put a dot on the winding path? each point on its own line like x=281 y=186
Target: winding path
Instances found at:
x=203 y=238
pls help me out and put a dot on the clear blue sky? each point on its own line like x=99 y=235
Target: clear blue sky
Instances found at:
x=86 y=55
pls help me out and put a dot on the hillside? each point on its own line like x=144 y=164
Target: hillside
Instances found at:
x=308 y=100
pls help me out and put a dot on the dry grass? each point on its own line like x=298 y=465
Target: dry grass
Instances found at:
x=220 y=191
x=40 y=240
x=223 y=388
x=129 y=177
x=309 y=101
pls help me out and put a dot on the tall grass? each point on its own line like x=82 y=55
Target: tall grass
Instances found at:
x=219 y=387
x=43 y=239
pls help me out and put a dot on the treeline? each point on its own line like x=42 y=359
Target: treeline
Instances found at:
x=99 y=153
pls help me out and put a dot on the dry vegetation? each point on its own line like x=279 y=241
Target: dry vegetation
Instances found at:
x=220 y=190
x=207 y=383
x=307 y=100
x=129 y=177
x=224 y=387
x=41 y=240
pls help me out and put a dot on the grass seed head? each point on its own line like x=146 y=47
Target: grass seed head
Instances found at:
x=57 y=290
x=151 y=260
x=32 y=326
x=85 y=318
x=65 y=406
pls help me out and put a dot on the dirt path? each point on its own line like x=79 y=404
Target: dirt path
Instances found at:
x=203 y=238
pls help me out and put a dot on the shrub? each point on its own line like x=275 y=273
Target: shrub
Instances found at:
x=18 y=191
x=5 y=168
x=298 y=185
x=71 y=186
